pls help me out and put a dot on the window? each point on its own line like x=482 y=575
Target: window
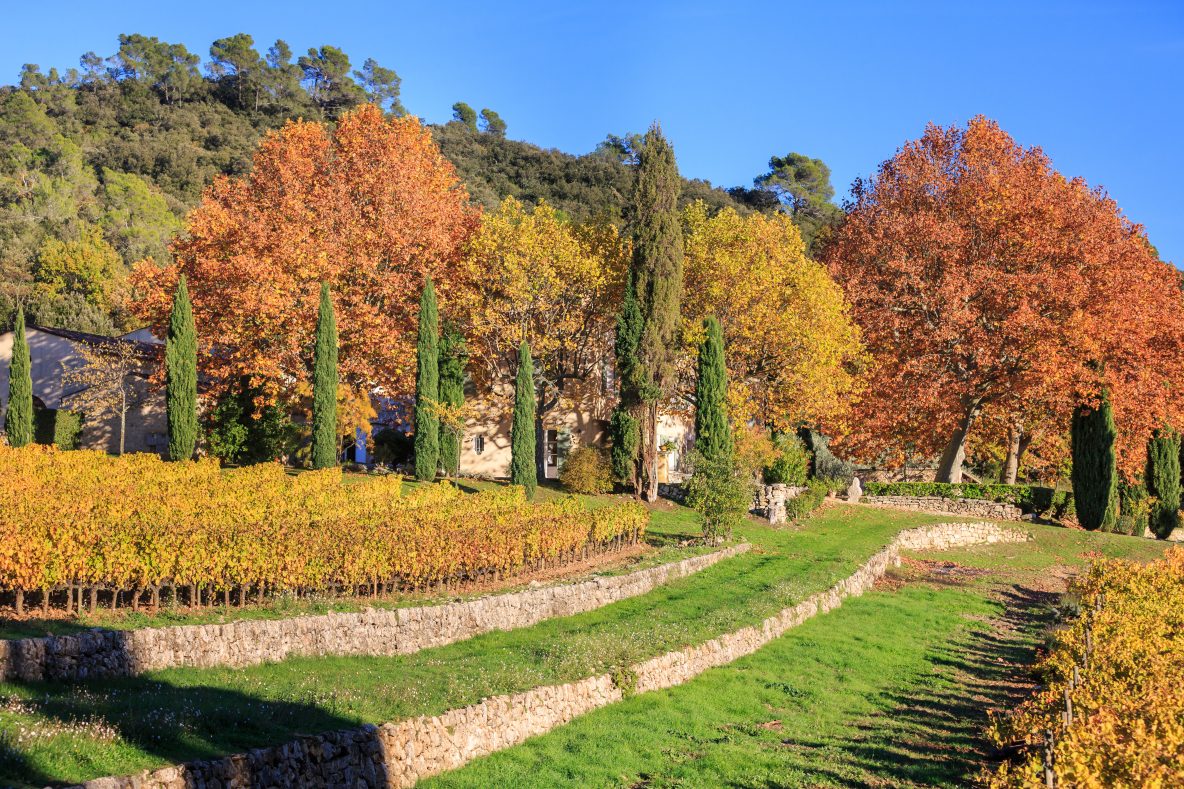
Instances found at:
x=478 y=444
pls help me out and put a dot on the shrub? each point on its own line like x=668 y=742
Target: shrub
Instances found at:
x=808 y=500
x=720 y=490
x=791 y=464
x=1163 y=482
x=1095 y=475
x=1136 y=508
x=826 y=465
x=587 y=470
x=1036 y=500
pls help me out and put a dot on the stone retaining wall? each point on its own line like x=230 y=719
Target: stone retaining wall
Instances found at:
x=975 y=508
x=400 y=631
x=400 y=754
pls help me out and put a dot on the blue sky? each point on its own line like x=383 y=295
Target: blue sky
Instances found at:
x=1098 y=85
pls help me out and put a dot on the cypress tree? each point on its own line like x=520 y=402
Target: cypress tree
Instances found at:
x=713 y=434
x=181 y=376
x=1095 y=475
x=522 y=431
x=18 y=419
x=324 y=386
x=657 y=280
x=624 y=428
x=427 y=387
x=453 y=358
x=1163 y=481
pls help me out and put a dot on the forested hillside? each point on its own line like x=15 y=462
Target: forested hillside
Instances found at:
x=100 y=164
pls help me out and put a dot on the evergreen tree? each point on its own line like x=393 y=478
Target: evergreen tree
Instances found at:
x=181 y=376
x=1095 y=476
x=624 y=428
x=1163 y=481
x=18 y=420
x=427 y=387
x=453 y=358
x=657 y=280
x=523 y=470
x=324 y=386
x=713 y=434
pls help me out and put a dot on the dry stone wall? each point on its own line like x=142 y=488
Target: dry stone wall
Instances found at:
x=108 y=653
x=974 y=508
x=402 y=753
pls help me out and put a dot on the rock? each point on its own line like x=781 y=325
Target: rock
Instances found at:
x=855 y=492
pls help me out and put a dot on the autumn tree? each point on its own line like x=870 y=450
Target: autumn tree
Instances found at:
x=325 y=383
x=109 y=381
x=18 y=414
x=794 y=355
x=657 y=276
x=983 y=279
x=427 y=387
x=370 y=208
x=181 y=377
x=544 y=280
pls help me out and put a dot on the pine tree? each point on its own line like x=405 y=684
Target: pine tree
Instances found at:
x=522 y=431
x=713 y=434
x=181 y=376
x=453 y=358
x=657 y=279
x=624 y=428
x=1095 y=475
x=324 y=386
x=427 y=387
x=18 y=420
x=1163 y=481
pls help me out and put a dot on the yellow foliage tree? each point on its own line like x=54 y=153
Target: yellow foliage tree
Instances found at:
x=793 y=353
x=550 y=282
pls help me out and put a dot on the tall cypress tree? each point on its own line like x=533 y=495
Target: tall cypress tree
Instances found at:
x=657 y=280
x=18 y=419
x=181 y=376
x=522 y=431
x=624 y=428
x=324 y=386
x=427 y=387
x=1095 y=473
x=713 y=434
x=454 y=356
x=1163 y=481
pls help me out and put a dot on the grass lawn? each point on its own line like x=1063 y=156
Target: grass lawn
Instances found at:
x=891 y=689
x=74 y=732
x=669 y=529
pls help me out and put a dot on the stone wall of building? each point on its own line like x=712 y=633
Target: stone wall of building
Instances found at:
x=400 y=754
x=118 y=653
x=973 y=508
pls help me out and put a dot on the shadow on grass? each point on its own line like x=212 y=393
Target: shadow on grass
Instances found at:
x=169 y=723
x=936 y=736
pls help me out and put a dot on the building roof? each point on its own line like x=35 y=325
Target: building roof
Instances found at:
x=147 y=348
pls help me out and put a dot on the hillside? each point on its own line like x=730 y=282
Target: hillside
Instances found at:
x=102 y=163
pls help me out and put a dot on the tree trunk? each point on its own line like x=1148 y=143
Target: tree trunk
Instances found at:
x=647 y=469
x=949 y=469
x=1012 y=467
x=122 y=420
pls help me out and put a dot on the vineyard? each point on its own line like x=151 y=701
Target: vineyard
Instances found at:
x=1111 y=712
x=82 y=522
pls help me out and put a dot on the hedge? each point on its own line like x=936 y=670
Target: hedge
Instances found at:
x=1031 y=499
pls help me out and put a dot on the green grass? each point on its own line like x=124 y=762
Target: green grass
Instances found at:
x=669 y=528
x=891 y=689
x=183 y=714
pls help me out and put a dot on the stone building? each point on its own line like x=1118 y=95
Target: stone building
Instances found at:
x=54 y=351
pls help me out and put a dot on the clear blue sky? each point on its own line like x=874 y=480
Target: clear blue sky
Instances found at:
x=1098 y=85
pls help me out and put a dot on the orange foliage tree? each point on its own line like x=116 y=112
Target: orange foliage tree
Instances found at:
x=371 y=207
x=985 y=280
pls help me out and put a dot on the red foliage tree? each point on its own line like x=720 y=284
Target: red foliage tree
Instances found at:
x=371 y=207
x=984 y=279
